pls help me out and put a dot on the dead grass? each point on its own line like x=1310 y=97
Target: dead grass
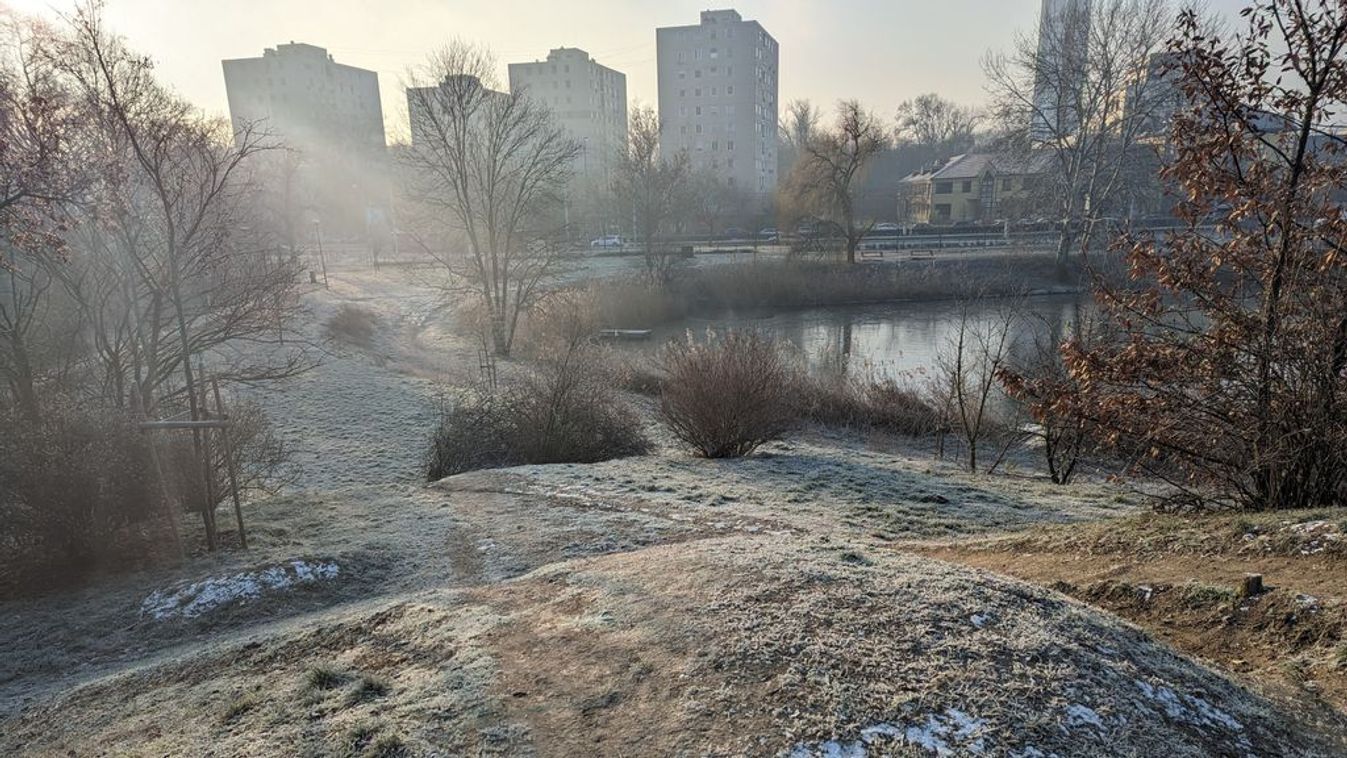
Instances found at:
x=1316 y=532
x=1179 y=577
x=727 y=646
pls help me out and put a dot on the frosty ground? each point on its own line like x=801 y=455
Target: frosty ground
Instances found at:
x=786 y=604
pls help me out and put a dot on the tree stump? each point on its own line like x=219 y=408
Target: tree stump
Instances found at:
x=1251 y=586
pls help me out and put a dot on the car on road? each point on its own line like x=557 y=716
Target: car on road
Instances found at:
x=770 y=234
x=607 y=242
x=734 y=233
x=887 y=227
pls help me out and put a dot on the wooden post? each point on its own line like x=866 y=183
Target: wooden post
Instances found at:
x=169 y=510
x=322 y=259
x=230 y=465
x=208 y=473
x=1251 y=586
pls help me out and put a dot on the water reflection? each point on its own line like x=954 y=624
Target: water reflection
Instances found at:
x=899 y=341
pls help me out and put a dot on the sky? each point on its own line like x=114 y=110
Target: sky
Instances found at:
x=878 y=51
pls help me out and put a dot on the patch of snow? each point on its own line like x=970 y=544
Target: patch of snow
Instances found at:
x=1082 y=715
x=871 y=733
x=949 y=733
x=1188 y=708
x=208 y=594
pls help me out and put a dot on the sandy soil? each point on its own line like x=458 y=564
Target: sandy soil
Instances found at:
x=660 y=605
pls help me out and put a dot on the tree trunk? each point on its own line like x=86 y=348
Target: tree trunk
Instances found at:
x=25 y=393
x=1066 y=240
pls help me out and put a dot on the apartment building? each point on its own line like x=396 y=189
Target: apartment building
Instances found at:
x=589 y=101
x=718 y=98
x=331 y=117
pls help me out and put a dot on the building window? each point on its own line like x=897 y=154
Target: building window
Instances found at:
x=729 y=145
x=1005 y=185
x=968 y=185
x=729 y=89
x=697 y=74
x=699 y=110
x=944 y=188
x=715 y=146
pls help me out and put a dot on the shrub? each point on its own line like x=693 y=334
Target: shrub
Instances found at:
x=564 y=411
x=728 y=395
x=836 y=397
x=71 y=487
x=353 y=325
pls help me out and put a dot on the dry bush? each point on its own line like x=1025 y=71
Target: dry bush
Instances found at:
x=263 y=464
x=353 y=324
x=74 y=488
x=563 y=411
x=729 y=394
x=836 y=397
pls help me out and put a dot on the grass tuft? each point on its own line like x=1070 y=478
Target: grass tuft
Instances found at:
x=324 y=677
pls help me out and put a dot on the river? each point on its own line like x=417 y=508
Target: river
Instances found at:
x=895 y=340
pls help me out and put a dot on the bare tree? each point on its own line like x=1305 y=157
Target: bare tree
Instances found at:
x=40 y=175
x=1079 y=89
x=39 y=144
x=486 y=168
x=825 y=180
x=658 y=187
x=932 y=121
x=967 y=385
x=1039 y=380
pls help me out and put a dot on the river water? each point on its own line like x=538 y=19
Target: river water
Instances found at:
x=897 y=340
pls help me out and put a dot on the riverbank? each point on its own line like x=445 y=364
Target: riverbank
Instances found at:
x=661 y=604
x=777 y=285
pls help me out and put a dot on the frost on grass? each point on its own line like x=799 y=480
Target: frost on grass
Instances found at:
x=797 y=475
x=201 y=597
x=869 y=658
x=948 y=733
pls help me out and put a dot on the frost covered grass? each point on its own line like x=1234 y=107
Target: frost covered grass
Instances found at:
x=206 y=595
x=816 y=482
x=762 y=645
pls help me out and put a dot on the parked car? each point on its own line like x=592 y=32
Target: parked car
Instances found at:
x=608 y=241
x=769 y=234
x=734 y=233
x=887 y=227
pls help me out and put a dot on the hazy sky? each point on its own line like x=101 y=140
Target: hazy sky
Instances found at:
x=880 y=51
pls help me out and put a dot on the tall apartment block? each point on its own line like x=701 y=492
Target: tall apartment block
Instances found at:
x=330 y=114
x=718 y=98
x=1063 y=44
x=588 y=99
